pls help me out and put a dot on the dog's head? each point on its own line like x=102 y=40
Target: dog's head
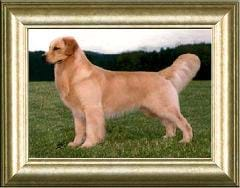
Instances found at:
x=60 y=49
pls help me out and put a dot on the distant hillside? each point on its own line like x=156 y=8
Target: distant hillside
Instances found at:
x=129 y=61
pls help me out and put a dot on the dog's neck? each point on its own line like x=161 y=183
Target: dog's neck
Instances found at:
x=76 y=62
x=81 y=57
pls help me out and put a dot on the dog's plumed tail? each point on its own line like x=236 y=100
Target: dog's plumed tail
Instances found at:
x=182 y=71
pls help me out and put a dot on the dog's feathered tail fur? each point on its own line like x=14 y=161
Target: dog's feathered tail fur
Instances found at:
x=182 y=71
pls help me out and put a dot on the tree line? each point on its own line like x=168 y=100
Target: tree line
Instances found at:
x=139 y=60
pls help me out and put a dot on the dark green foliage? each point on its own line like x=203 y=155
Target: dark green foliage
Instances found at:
x=130 y=61
x=133 y=135
x=39 y=70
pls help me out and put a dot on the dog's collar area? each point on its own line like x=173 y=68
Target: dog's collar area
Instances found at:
x=59 y=62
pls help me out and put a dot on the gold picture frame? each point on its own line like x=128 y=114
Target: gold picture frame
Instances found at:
x=221 y=169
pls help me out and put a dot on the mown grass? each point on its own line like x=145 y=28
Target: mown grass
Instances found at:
x=131 y=136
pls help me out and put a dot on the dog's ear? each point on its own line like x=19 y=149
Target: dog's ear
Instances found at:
x=71 y=45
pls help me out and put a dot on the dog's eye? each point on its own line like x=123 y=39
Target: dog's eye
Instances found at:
x=56 y=48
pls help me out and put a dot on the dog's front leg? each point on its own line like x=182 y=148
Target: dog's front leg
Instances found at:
x=80 y=132
x=95 y=128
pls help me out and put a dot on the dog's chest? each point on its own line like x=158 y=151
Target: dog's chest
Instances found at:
x=62 y=83
x=70 y=101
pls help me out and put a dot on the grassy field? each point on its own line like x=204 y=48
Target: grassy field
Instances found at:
x=131 y=136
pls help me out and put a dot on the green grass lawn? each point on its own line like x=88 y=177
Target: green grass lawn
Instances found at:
x=131 y=136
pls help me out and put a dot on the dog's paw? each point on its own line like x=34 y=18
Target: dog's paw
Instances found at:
x=88 y=144
x=185 y=141
x=166 y=136
x=73 y=145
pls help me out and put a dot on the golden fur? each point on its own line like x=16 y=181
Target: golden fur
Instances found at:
x=92 y=93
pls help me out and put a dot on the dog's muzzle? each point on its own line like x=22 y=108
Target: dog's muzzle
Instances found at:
x=44 y=59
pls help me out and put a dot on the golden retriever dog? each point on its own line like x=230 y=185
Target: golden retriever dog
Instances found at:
x=92 y=93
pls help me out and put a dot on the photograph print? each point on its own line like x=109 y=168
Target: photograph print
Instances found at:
x=119 y=93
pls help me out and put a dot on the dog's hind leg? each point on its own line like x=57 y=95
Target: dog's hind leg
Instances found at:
x=173 y=116
x=80 y=131
x=169 y=127
x=95 y=126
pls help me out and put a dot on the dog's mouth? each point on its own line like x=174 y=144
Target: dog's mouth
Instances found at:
x=54 y=62
x=58 y=62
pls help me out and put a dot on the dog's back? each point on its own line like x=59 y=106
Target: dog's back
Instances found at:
x=124 y=91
